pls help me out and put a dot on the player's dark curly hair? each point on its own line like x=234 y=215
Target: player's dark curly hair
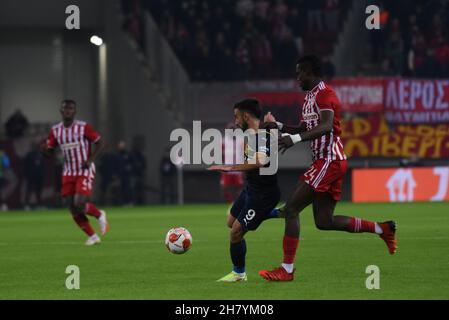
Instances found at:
x=312 y=63
x=251 y=106
x=68 y=101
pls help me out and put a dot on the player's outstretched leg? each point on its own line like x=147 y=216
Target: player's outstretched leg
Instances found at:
x=323 y=210
x=100 y=215
x=78 y=210
x=301 y=198
x=238 y=254
x=82 y=221
x=389 y=235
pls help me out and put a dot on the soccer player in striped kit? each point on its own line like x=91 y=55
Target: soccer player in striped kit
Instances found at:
x=321 y=185
x=75 y=137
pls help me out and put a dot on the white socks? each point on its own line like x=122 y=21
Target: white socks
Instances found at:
x=378 y=229
x=288 y=267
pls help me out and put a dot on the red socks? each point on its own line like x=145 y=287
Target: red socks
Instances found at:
x=82 y=221
x=357 y=225
x=228 y=196
x=91 y=210
x=290 y=244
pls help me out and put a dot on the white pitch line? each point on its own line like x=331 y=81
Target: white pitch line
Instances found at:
x=63 y=243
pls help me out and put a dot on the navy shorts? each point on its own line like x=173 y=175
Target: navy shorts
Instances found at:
x=250 y=209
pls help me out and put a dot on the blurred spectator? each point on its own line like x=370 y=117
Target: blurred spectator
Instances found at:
x=286 y=54
x=331 y=13
x=296 y=25
x=4 y=165
x=262 y=55
x=107 y=168
x=16 y=125
x=242 y=54
x=133 y=22
x=168 y=178
x=314 y=16
x=244 y=8
x=58 y=169
x=34 y=171
x=139 y=170
x=125 y=173
x=328 y=69
x=261 y=9
x=430 y=67
x=395 y=52
x=442 y=55
x=280 y=10
x=386 y=68
x=224 y=58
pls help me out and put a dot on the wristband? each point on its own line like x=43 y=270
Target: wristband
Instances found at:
x=280 y=125
x=296 y=138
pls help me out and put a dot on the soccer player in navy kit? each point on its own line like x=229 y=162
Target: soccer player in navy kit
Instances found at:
x=261 y=192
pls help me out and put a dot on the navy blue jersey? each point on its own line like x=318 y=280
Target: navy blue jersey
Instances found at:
x=259 y=143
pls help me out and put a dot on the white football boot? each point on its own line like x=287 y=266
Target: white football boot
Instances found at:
x=103 y=222
x=93 y=240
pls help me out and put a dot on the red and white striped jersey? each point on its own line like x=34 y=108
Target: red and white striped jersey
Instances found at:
x=328 y=146
x=75 y=143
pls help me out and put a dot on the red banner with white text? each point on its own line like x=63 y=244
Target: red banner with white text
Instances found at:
x=411 y=101
x=416 y=101
x=360 y=94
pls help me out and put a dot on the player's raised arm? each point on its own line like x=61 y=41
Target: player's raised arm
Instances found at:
x=323 y=128
x=292 y=129
x=284 y=128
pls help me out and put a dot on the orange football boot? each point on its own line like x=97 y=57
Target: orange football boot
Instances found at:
x=388 y=235
x=277 y=274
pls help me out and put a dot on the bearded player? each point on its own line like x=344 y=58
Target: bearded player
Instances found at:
x=321 y=185
x=74 y=138
x=261 y=194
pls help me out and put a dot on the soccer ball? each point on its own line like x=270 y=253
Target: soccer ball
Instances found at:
x=178 y=240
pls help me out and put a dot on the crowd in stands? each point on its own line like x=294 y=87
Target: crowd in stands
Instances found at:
x=245 y=39
x=259 y=39
x=414 y=39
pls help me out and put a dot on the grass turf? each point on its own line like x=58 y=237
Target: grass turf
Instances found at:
x=133 y=263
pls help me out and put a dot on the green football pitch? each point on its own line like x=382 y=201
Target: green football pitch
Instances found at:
x=133 y=263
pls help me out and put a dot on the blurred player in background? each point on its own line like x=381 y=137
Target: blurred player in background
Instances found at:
x=321 y=185
x=75 y=137
x=231 y=182
x=261 y=194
